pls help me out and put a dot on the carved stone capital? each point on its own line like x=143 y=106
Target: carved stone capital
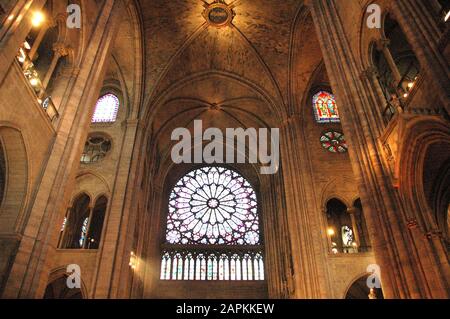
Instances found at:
x=60 y=49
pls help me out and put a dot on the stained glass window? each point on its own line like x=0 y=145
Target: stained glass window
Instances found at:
x=212 y=207
x=95 y=149
x=347 y=236
x=106 y=109
x=83 y=231
x=334 y=142
x=325 y=108
x=216 y=267
x=64 y=224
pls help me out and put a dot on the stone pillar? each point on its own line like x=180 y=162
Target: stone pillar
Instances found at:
x=115 y=254
x=39 y=38
x=405 y=272
x=370 y=76
x=59 y=51
x=279 y=252
x=383 y=46
x=308 y=276
x=351 y=212
x=152 y=209
x=29 y=274
x=435 y=5
x=123 y=283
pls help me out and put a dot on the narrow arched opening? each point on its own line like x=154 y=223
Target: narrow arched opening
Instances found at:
x=340 y=229
x=59 y=289
x=436 y=186
x=76 y=223
x=360 y=289
x=362 y=233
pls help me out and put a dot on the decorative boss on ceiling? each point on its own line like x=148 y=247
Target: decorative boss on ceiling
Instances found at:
x=218 y=13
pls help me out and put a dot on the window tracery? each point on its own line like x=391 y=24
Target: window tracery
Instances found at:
x=210 y=210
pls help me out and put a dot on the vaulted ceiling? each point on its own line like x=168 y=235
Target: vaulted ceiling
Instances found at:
x=239 y=75
x=179 y=42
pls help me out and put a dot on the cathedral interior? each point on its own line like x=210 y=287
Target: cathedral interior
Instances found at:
x=93 y=91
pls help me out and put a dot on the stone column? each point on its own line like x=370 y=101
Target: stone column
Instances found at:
x=370 y=76
x=383 y=46
x=279 y=252
x=435 y=5
x=308 y=276
x=29 y=274
x=115 y=254
x=351 y=212
x=122 y=282
x=405 y=273
x=59 y=51
x=152 y=267
x=37 y=43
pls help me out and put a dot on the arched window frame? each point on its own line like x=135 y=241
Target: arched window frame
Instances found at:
x=329 y=117
x=397 y=92
x=38 y=39
x=336 y=222
x=361 y=230
x=112 y=114
x=73 y=231
x=97 y=225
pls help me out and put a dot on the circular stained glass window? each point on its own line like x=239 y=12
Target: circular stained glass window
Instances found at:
x=95 y=149
x=334 y=142
x=213 y=206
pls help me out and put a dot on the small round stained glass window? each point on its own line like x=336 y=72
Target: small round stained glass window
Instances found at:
x=334 y=142
x=213 y=206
